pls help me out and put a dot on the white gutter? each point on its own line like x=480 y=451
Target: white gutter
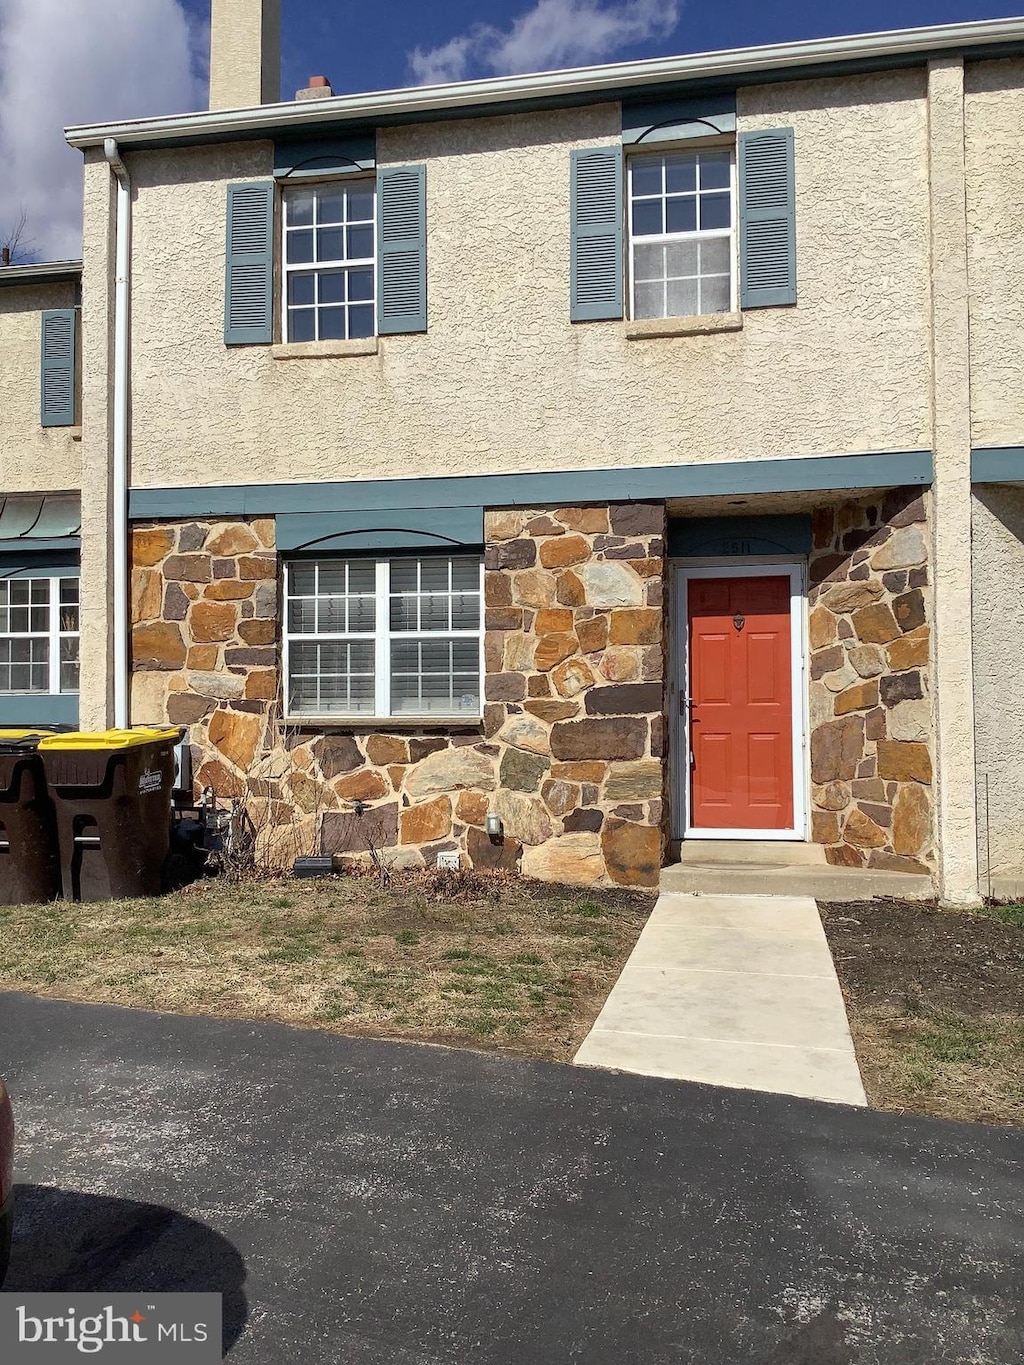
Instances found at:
x=747 y=63
x=119 y=492
x=40 y=271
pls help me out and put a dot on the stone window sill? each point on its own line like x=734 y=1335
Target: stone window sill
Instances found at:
x=704 y=325
x=323 y=350
x=319 y=723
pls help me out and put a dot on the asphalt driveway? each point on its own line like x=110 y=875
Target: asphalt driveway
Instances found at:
x=366 y=1202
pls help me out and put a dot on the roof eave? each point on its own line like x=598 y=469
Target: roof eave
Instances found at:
x=585 y=83
x=40 y=272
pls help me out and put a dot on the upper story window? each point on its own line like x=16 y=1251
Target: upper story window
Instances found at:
x=682 y=215
x=39 y=634
x=386 y=637
x=329 y=262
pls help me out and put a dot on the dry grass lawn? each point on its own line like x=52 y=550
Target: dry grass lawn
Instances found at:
x=487 y=963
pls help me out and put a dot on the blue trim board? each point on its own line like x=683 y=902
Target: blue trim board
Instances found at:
x=724 y=536
x=38 y=708
x=823 y=473
x=301 y=158
x=27 y=559
x=655 y=120
x=318 y=532
x=998 y=464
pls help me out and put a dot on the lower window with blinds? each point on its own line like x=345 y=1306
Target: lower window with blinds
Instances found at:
x=384 y=638
x=39 y=633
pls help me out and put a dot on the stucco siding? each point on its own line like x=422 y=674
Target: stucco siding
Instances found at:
x=994 y=152
x=32 y=460
x=97 y=416
x=502 y=381
x=998 y=610
x=956 y=817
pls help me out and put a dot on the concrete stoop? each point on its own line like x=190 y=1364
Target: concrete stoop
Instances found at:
x=777 y=852
x=712 y=867
x=731 y=990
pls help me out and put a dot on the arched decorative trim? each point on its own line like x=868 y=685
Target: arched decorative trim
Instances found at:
x=387 y=537
x=381 y=532
x=313 y=158
x=647 y=121
x=698 y=127
x=316 y=165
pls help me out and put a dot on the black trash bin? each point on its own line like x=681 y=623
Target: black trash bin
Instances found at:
x=112 y=794
x=29 y=858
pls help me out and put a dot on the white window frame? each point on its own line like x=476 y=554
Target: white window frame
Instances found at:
x=661 y=239
x=53 y=633
x=382 y=636
x=326 y=267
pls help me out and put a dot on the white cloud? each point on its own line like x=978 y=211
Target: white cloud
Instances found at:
x=82 y=61
x=554 y=33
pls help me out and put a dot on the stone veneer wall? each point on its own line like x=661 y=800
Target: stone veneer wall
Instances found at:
x=570 y=750
x=204 y=625
x=575 y=665
x=870 y=708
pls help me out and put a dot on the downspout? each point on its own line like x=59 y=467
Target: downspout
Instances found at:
x=119 y=494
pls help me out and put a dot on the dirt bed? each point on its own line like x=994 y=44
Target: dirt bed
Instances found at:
x=936 y=1004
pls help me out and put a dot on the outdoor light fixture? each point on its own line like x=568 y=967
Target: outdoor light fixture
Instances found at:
x=492 y=824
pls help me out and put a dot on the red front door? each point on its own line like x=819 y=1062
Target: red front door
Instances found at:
x=741 y=711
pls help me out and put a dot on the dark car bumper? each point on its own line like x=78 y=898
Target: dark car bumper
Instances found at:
x=6 y=1228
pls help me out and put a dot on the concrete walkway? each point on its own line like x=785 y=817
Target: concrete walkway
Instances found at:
x=731 y=990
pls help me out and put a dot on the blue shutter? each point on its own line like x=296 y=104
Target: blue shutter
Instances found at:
x=595 y=210
x=248 y=289
x=401 y=249
x=767 y=218
x=58 y=367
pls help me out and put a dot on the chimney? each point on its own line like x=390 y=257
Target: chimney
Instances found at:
x=319 y=88
x=245 y=53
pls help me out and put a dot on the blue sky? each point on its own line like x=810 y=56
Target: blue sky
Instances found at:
x=363 y=46
x=68 y=62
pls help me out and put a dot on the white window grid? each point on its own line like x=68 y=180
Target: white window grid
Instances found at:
x=59 y=639
x=667 y=238
x=381 y=636
x=324 y=267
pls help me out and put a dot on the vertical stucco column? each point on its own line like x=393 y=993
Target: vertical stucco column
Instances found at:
x=245 y=53
x=956 y=811
x=96 y=707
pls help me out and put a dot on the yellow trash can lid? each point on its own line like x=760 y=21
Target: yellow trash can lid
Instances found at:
x=31 y=732
x=112 y=739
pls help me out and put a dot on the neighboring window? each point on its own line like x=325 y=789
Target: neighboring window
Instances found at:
x=682 y=217
x=39 y=634
x=390 y=637
x=329 y=254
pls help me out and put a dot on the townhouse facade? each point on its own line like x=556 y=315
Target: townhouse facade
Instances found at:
x=548 y=470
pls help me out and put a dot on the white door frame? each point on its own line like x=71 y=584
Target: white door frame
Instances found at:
x=759 y=566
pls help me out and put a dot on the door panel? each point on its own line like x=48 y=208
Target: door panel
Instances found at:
x=714 y=669
x=712 y=753
x=741 y=713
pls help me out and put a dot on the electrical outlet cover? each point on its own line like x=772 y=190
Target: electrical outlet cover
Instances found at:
x=448 y=861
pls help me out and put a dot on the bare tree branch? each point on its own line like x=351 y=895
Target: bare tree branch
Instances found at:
x=15 y=244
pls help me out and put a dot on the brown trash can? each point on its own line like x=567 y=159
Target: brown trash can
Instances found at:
x=29 y=858
x=112 y=794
